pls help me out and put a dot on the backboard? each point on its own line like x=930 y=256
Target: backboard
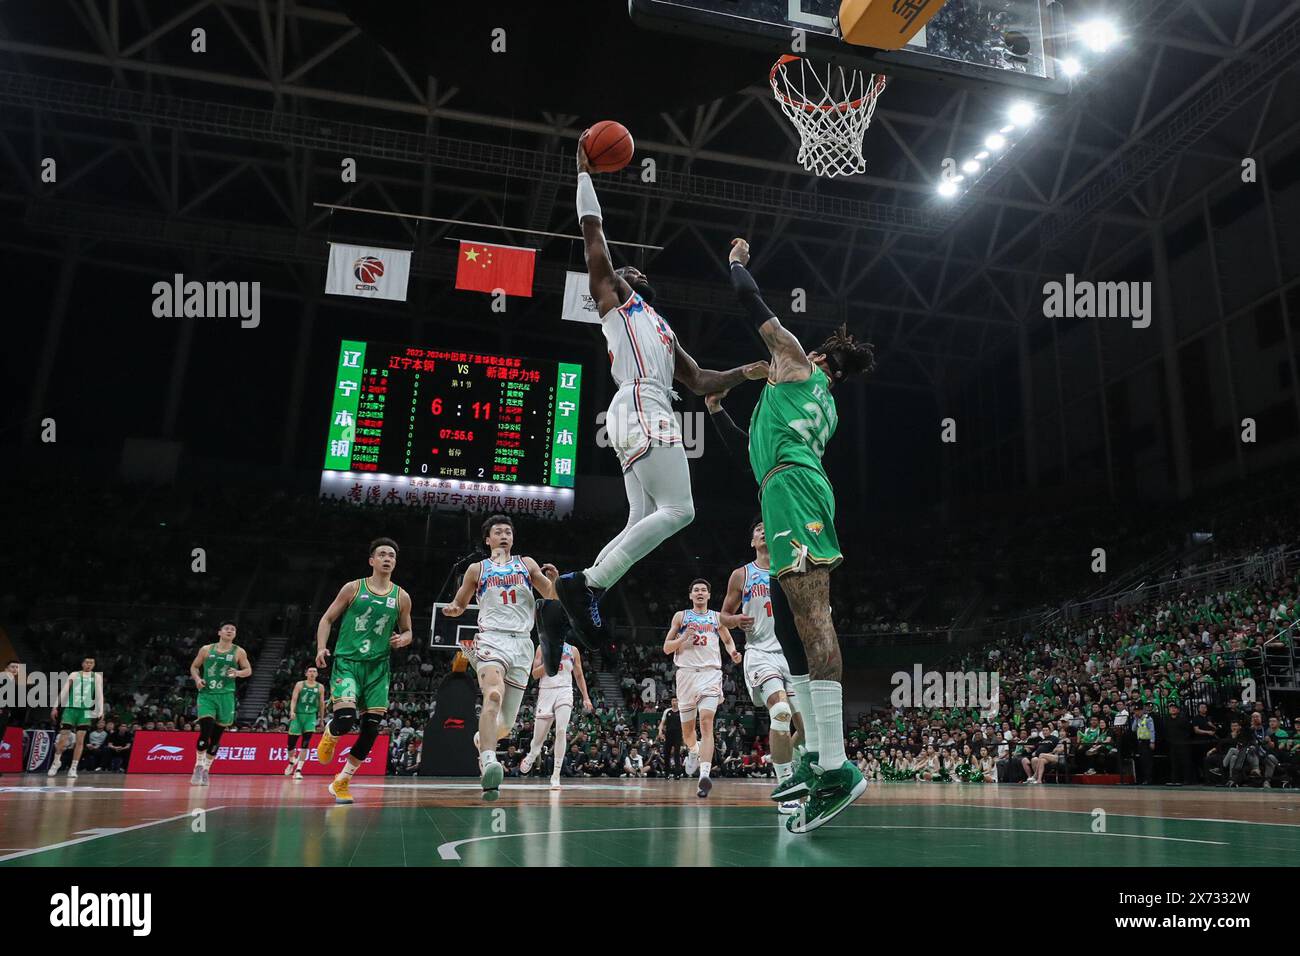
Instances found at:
x=969 y=43
x=448 y=632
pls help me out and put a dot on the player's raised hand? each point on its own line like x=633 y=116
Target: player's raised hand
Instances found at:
x=714 y=402
x=584 y=164
x=739 y=252
x=551 y=571
x=755 y=371
x=322 y=658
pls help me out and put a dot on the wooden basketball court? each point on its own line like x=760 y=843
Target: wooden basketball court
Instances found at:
x=159 y=821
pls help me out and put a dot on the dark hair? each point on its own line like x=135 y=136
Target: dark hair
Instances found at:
x=493 y=521
x=224 y=623
x=753 y=525
x=622 y=272
x=846 y=356
x=381 y=542
x=700 y=581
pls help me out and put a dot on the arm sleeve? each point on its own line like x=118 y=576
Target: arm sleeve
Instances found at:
x=747 y=289
x=734 y=439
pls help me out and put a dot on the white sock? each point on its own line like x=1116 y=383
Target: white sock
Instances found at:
x=488 y=756
x=784 y=771
x=705 y=766
x=801 y=687
x=348 y=770
x=828 y=714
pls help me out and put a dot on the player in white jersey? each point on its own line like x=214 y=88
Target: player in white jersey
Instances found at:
x=693 y=640
x=554 y=705
x=504 y=589
x=767 y=675
x=645 y=359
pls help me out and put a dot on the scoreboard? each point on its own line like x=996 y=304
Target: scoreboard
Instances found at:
x=449 y=419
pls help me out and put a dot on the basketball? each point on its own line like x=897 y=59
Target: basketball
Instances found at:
x=609 y=146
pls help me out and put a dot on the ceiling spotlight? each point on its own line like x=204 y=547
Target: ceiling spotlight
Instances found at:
x=982 y=154
x=1099 y=35
x=947 y=189
x=1071 y=67
x=970 y=166
x=1021 y=113
x=1007 y=129
x=995 y=142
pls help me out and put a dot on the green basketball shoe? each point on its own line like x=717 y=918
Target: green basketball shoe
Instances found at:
x=800 y=784
x=833 y=791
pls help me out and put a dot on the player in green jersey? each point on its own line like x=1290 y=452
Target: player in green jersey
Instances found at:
x=306 y=708
x=376 y=616
x=82 y=701
x=214 y=671
x=794 y=419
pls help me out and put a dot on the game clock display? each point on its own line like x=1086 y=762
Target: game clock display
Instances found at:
x=454 y=414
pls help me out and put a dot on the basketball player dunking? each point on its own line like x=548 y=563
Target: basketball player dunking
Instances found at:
x=554 y=706
x=504 y=589
x=794 y=419
x=376 y=619
x=645 y=358
x=693 y=640
x=767 y=675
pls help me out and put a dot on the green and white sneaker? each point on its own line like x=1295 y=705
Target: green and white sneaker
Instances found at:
x=834 y=791
x=800 y=784
x=493 y=774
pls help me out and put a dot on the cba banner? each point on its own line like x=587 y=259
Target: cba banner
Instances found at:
x=174 y=751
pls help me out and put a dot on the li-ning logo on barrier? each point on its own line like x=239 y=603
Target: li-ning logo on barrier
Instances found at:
x=165 y=752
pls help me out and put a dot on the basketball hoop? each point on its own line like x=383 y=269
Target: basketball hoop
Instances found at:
x=831 y=107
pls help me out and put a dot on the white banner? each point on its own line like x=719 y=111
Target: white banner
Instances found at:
x=579 y=305
x=368 y=271
x=447 y=494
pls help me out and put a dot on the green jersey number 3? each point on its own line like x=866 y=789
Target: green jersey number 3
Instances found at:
x=363 y=624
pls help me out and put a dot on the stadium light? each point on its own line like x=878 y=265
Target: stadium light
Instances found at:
x=1021 y=113
x=947 y=189
x=1071 y=67
x=995 y=142
x=982 y=155
x=1099 y=35
x=970 y=166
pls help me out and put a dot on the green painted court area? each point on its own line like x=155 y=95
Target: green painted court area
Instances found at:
x=501 y=835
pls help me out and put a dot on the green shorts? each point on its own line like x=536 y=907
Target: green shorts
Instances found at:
x=363 y=682
x=303 y=724
x=220 y=707
x=77 y=717
x=799 y=520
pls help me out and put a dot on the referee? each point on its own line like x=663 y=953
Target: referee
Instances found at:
x=670 y=732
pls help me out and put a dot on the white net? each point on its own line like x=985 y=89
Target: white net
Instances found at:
x=831 y=107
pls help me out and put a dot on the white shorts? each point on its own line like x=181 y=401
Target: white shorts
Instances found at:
x=698 y=688
x=513 y=653
x=639 y=417
x=549 y=698
x=766 y=672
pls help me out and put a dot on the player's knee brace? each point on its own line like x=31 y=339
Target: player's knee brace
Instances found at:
x=215 y=737
x=787 y=634
x=293 y=741
x=205 y=733
x=345 y=718
x=366 y=739
x=781 y=715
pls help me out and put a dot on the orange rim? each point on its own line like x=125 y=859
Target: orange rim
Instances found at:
x=877 y=87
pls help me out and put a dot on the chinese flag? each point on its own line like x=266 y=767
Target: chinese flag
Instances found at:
x=484 y=268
